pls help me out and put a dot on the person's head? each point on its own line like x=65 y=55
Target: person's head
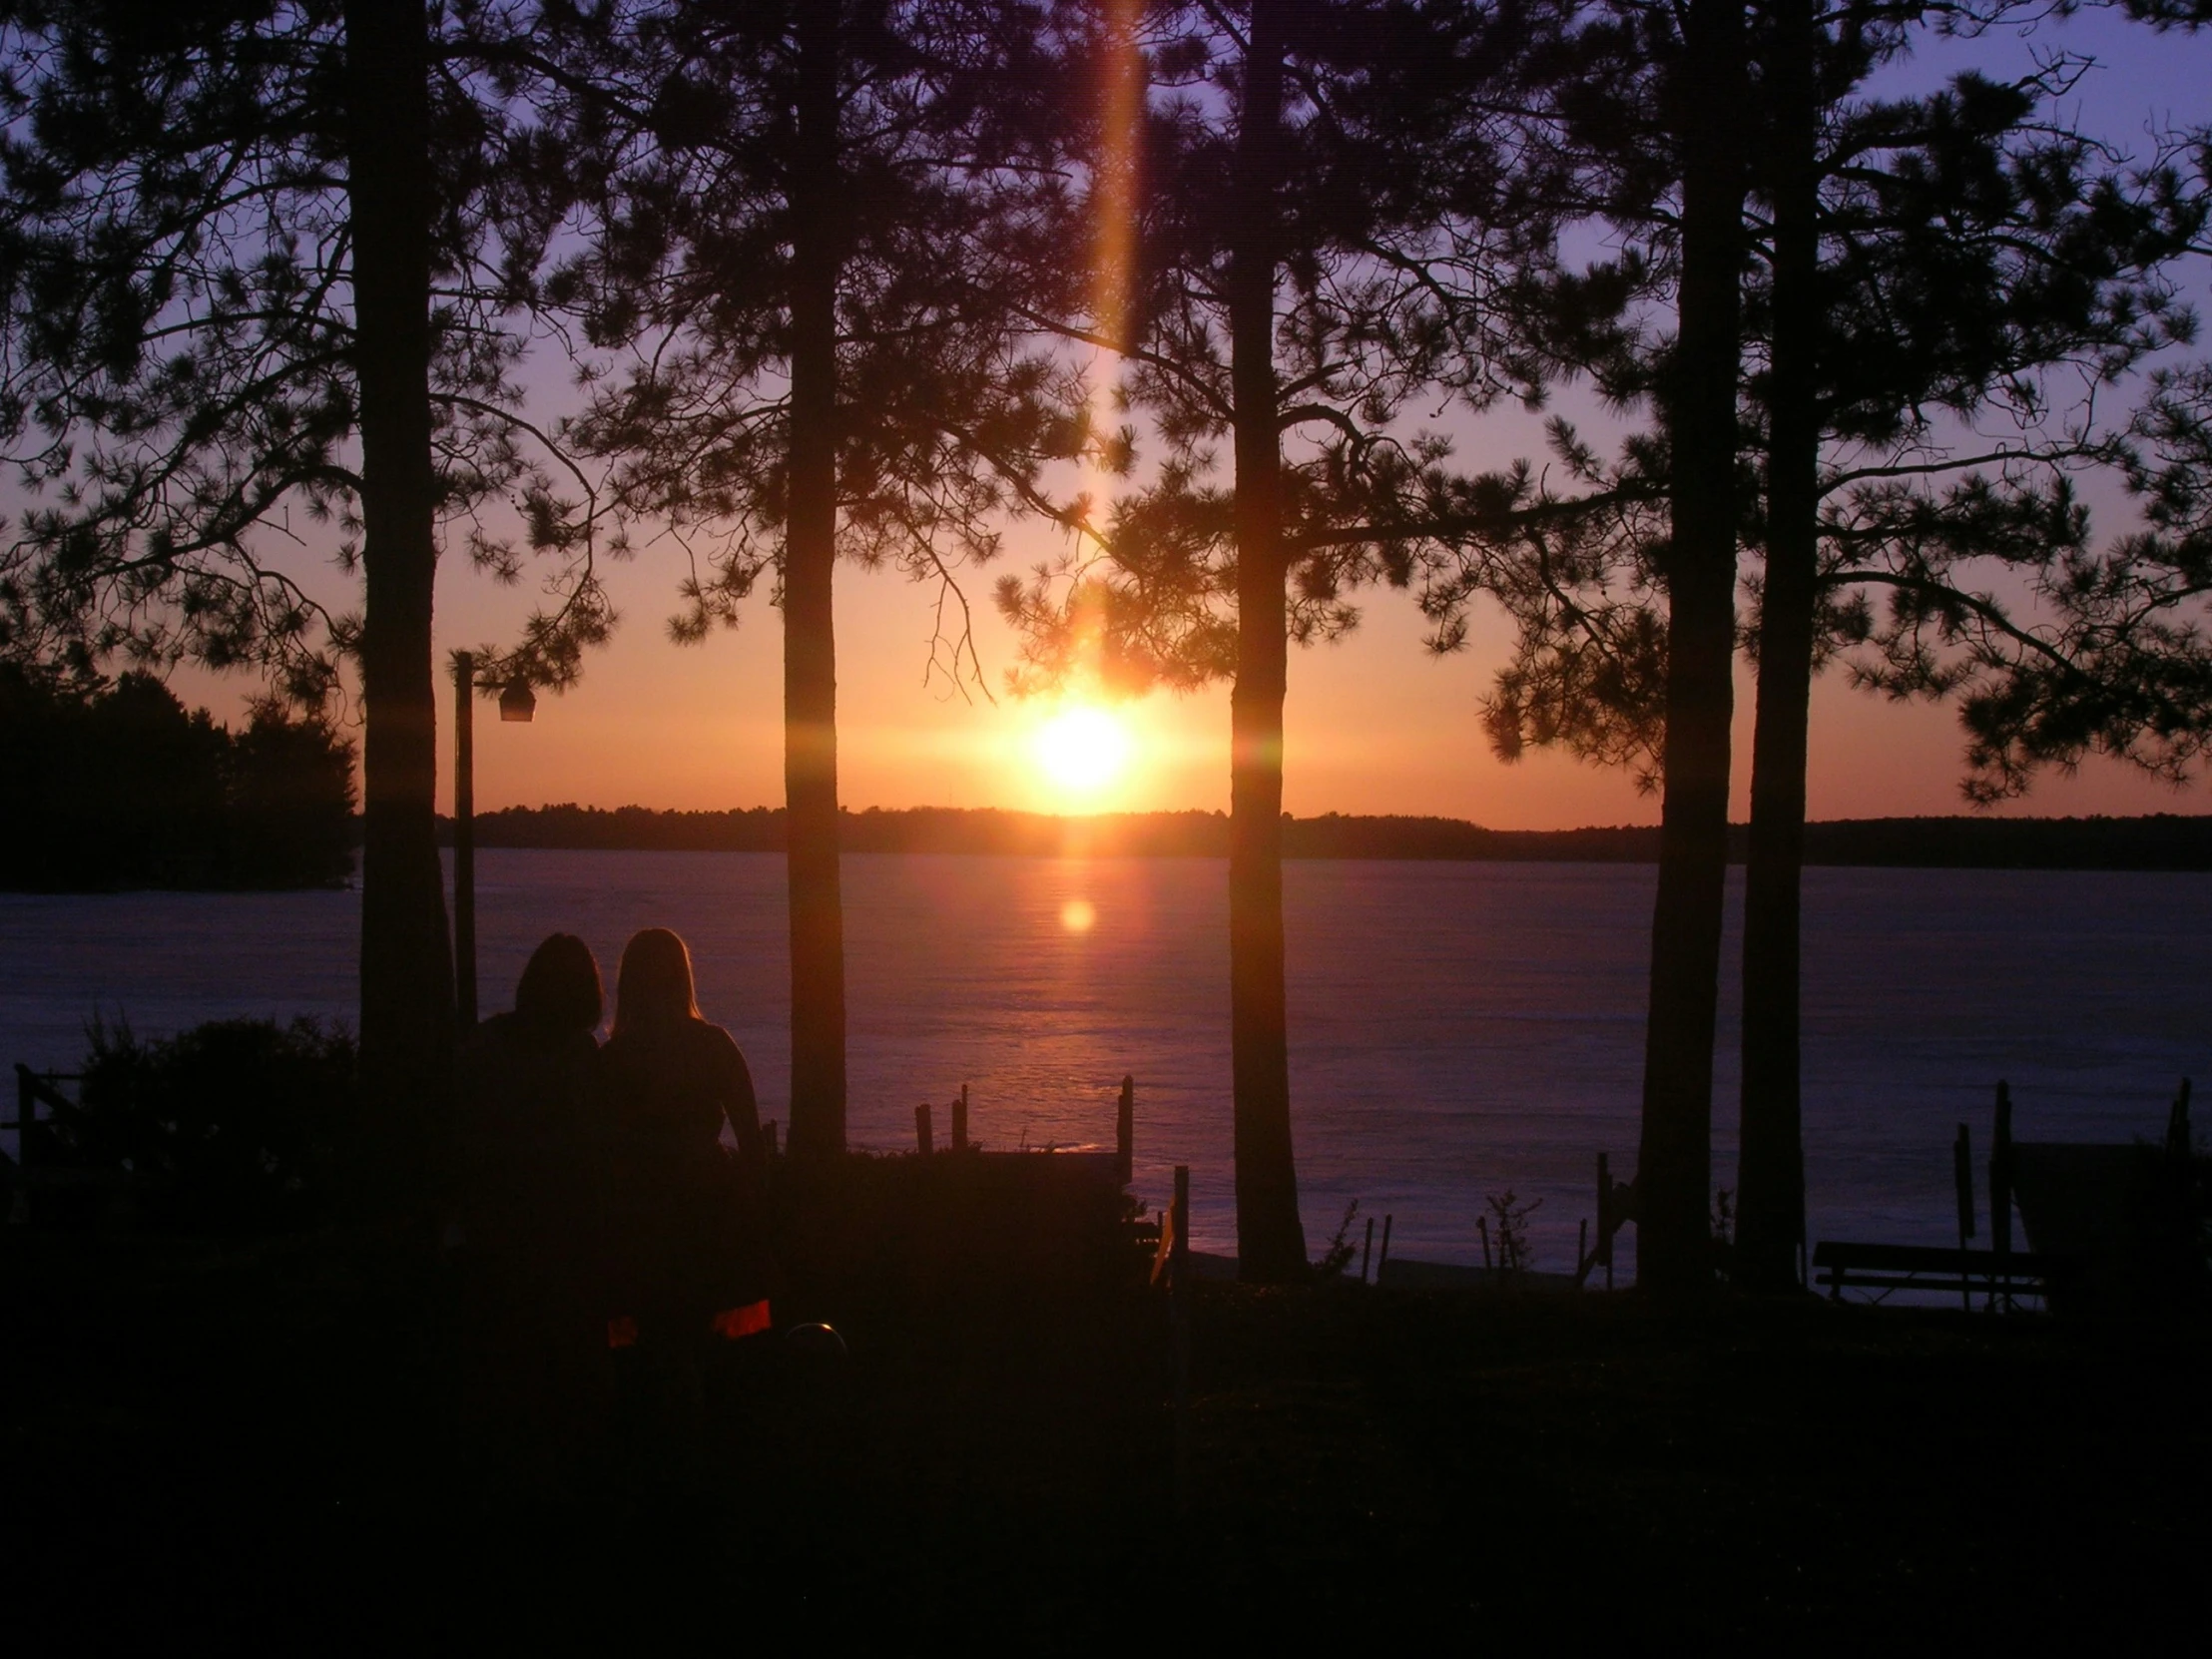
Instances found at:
x=560 y=987
x=654 y=988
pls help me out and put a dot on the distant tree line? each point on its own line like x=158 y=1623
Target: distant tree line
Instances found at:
x=118 y=786
x=2156 y=842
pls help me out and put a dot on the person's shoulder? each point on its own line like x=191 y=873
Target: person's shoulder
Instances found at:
x=709 y=1036
x=716 y=1049
x=489 y=1040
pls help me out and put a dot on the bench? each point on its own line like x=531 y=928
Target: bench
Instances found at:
x=1839 y=1264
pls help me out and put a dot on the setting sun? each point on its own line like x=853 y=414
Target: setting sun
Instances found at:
x=1083 y=749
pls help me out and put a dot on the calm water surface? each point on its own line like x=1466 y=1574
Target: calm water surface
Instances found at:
x=1457 y=1029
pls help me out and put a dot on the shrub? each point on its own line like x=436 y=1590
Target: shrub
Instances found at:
x=1341 y=1251
x=230 y=1127
x=1509 y=1215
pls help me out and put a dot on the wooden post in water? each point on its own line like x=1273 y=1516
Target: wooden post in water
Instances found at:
x=1382 y=1262
x=26 y=1114
x=26 y=1105
x=1483 y=1226
x=923 y=1137
x=767 y=1138
x=960 y=1121
x=1179 y=1316
x=1365 y=1251
x=1606 y=1226
x=1125 y=1131
x=464 y=837
x=2001 y=1198
x=1961 y=1171
x=1581 y=1250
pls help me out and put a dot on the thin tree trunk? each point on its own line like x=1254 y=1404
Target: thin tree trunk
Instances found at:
x=1271 y=1241
x=809 y=635
x=407 y=1032
x=1674 y=1174
x=1770 y=1197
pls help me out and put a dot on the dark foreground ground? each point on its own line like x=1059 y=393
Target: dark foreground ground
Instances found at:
x=262 y=1448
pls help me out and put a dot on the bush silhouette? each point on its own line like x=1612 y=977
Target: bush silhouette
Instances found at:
x=230 y=1127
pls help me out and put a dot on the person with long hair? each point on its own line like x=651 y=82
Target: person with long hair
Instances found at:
x=530 y=1144
x=688 y=1210
x=530 y=1101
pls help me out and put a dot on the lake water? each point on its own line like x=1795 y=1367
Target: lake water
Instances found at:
x=1457 y=1029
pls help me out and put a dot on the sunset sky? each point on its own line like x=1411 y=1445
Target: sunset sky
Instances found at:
x=1375 y=724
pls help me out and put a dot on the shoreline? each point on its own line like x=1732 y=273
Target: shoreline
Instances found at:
x=2160 y=841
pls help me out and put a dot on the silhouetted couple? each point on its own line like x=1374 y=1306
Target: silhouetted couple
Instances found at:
x=602 y=1207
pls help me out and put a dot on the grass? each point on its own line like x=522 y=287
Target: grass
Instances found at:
x=255 y=1446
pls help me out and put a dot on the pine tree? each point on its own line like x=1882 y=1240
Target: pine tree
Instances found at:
x=1922 y=261
x=1331 y=197
x=1988 y=256
x=1770 y=1179
x=797 y=218
x=1652 y=107
x=1655 y=111
x=407 y=971
x=1698 y=396
x=221 y=235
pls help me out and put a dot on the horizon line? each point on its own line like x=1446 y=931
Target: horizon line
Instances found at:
x=1317 y=818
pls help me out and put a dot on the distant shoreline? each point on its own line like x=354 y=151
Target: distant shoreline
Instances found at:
x=2160 y=841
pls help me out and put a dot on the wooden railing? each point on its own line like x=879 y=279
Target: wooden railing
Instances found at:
x=31 y=1089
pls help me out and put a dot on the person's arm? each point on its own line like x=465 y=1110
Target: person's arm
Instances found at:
x=741 y=1105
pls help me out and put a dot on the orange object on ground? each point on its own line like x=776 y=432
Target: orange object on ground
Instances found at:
x=748 y=1320
x=622 y=1332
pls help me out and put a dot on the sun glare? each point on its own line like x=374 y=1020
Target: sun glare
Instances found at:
x=1083 y=749
x=1078 y=915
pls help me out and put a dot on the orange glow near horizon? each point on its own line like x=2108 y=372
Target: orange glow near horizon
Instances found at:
x=1374 y=724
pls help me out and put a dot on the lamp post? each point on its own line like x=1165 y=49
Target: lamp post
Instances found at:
x=516 y=703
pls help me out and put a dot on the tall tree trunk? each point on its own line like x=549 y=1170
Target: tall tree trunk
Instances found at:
x=1770 y=1193
x=809 y=635
x=1271 y=1241
x=1674 y=1174
x=406 y=958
